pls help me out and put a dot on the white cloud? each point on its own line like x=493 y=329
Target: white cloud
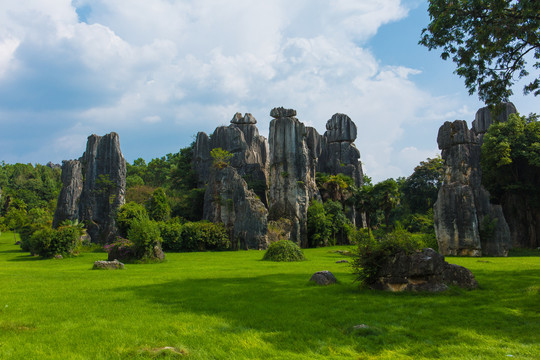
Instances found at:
x=190 y=65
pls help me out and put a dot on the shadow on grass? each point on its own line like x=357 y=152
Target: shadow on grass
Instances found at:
x=11 y=251
x=296 y=316
x=25 y=257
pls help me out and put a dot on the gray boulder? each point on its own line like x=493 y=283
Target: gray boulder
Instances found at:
x=463 y=211
x=324 y=277
x=227 y=200
x=423 y=270
x=108 y=265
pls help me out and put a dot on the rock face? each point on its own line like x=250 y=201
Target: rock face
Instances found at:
x=249 y=149
x=466 y=223
x=67 y=206
x=291 y=172
x=339 y=154
x=324 y=277
x=484 y=117
x=522 y=217
x=228 y=200
x=424 y=270
x=103 y=169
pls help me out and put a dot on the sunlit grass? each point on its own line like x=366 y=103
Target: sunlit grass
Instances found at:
x=232 y=305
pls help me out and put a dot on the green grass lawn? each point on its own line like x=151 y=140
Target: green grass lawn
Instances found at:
x=232 y=305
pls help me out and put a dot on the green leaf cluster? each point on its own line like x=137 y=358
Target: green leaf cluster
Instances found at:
x=284 y=250
x=490 y=41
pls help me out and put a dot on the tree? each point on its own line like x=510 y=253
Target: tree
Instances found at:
x=386 y=194
x=511 y=158
x=318 y=225
x=489 y=41
x=221 y=158
x=157 y=206
x=420 y=190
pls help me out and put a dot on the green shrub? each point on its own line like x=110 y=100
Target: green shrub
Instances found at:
x=373 y=252
x=121 y=249
x=144 y=233
x=51 y=242
x=319 y=226
x=171 y=233
x=157 y=206
x=203 y=235
x=127 y=214
x=284 y=250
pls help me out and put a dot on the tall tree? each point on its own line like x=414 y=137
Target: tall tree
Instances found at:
x=489 y=40
x=420 y=190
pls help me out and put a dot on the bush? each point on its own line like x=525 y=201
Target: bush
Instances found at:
x=203 y=235
x=319 y=226
x=284 y=250
x=127 y=214
x=372 y=252
x=122 y=249
x=171 y=233
x=145 y=235
x=51 y=242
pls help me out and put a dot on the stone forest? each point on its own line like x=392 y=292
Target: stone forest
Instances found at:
x=260 y=181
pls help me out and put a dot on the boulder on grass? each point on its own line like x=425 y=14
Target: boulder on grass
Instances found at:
x=422 y=270
x=108 y=265
x=324 y=277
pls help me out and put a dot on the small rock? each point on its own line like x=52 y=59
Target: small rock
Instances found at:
x=108 y=265
x=324 y=277
x=58 y=257
x=341 y=261
x=361 y=326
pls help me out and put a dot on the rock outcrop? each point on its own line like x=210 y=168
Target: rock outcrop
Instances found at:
x=291 y=179
x=523 y=218
x=339 y=154
x=227 y=200
x=484 y=118
x=249 y=150
x=108 y=265
x=423 y=270
x=466 y=223
x=67 y=206
x=103 y=169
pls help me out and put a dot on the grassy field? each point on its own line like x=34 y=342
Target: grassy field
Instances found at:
x=232 y=305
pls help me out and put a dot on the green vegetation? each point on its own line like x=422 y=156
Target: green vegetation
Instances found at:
x=511 y=158
x=371 y=252
x=284 y=250
x=220 y=158
x=217 y=305
x=489 y=41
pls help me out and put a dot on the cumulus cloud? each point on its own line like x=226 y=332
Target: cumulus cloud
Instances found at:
x=125 y=66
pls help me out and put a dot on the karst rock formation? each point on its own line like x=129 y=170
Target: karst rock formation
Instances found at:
x=250 y=152
x=228 y=200
x=94 y=188
x=466 y=223
x=280 y=171
x=292 y=172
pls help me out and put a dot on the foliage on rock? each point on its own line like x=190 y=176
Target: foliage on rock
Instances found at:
x=372 y=252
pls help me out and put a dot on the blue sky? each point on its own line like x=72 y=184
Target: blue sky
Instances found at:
x=156 y=72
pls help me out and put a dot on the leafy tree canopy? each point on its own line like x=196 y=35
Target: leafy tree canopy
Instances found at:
x=489 y=40
x=511 y=157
